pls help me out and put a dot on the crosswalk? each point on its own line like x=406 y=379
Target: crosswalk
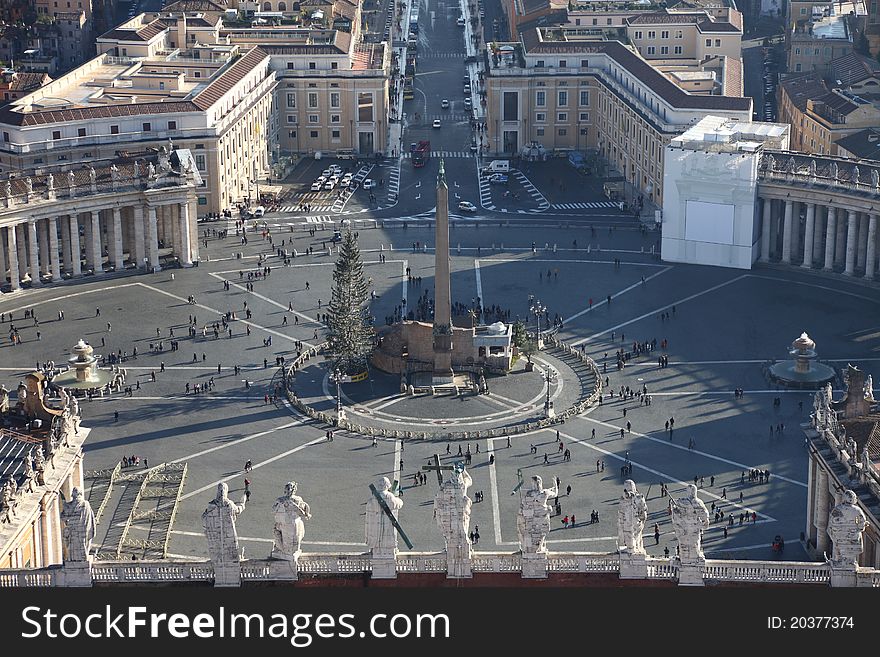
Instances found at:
x=537 y=196
x=314 y=208
x=442 y=55
x=444 y=154
x=585 y=206
x=446 y=117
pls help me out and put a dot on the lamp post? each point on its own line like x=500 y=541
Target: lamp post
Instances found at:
x=337 y=379
x=538 y=309
x=548 y=405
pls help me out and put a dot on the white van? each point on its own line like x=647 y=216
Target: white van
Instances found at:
x=498 y=166
x=259 y=211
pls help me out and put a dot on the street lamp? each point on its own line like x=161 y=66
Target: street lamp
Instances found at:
x=538 y=309
x=548 y=405
x=338 y=379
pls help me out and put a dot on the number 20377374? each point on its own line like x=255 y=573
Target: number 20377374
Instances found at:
x=810 y=623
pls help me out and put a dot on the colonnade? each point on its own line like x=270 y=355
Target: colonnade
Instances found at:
x=820 y=236
x=111 y=237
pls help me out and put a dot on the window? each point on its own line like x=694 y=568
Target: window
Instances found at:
x=200 y=162
x=797 y=67
x=6 y=137
x=562 y=132
x=172 y=125
x=584 y=116
x=334 y=99
x=540 y=117
x=803 y=11
x=334 y=65
x=81 y=132
x=540 y=63
x=365 y=106
x=677 y=50
x=608 y=22
x=585 y=99
x=56 y=134
x=291 y=134
x=289 y=65
x=797 y=51
x=313 y=134
x=147 y=127
x=313 y=118
x=540 y=131
x=585 y=63
x=664 y=50
x=563 y=63
x=652 y=34
x=561 y=117
x=595 y=22
x=584 y=131
x=291 y=100
x=540 y=98
x=313 y=100
x=114 y=129
x=650 y=50
x=312 y=66
x=717 y=43
x=197 y=74
x=816 y=52
x=291 y=118
x=638 y=34
x=335 y=118
x=664 y=34
x=562 y=98
x=708 y=43
x=679 y=34
x=334 y=134
x=510 y=105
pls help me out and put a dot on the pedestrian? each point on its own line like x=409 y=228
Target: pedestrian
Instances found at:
x=568 y=490
x=545 y=458
x=247 y=484
x=116 y=416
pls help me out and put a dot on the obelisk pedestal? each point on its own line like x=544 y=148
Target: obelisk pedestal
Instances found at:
x=443 y=374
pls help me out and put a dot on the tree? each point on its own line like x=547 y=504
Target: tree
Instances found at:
x=350 y=340
x=523 y=341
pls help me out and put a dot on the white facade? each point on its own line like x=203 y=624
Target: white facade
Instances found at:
x=710 y=192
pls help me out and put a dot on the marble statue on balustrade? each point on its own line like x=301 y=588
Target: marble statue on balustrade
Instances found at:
x=29 y=186
x=632 y=512
x=218 y=521
x=689 y=518
x=71 y=180
x=151 y=171
x=869 y=389
x=40 y=466
x=533 y=519
x=93 y=176
x=78 y=530
x=856 y=174
x=114 y=173
x=845 y=527
x=7 y=501
x=8 y=189
x=164 y=160
x=452 y=513
x=29 y=473
x=381 y=536
x=875 y=178
x=290 y=513
x=50 y=182
x=834 y=171
x=4 y=399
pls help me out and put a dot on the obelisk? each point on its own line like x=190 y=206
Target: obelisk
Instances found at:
x=442 y=296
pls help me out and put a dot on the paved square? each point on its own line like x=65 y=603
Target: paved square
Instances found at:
x=722 y=326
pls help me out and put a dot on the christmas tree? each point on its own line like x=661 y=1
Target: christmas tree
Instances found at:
x=350 y=339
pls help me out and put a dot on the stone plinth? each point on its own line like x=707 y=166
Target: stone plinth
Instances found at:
x=633 y=566
x=227 y=574
x=77 y=574
x=690 y=573
x=458 y=563
x=534 y=566
x=284 y=569
x=384 y=564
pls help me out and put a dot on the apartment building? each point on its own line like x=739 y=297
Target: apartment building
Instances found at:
x=827 y=34
x=215 y=100
x=569 y=91
x=822 y=111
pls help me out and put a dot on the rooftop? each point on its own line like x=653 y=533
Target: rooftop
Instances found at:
x=863 y=144
x=728 y=135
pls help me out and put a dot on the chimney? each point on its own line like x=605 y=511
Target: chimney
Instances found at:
x=181 y=31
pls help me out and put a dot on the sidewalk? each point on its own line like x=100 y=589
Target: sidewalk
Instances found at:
x=474 y=69
x=394 y=147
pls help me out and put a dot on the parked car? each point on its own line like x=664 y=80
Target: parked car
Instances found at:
x=337 y=236
x=436 y=123
x=444 y=103
x=318 y=184
x=259 y=211
x=335 y=169
x=369 y=183
x=331 y=183
x=467 y=206
x=498 y=179
x=326 y=173
x=467 y=103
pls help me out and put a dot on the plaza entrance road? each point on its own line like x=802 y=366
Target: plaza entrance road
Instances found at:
x=725 y=324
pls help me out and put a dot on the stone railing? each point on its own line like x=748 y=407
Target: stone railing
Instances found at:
x=354 y=562
x=421 y=562
x=496 y=562
x=766 y=571
x=583 y=562
x=152 y=571
x=662 y=568
x=30 y=578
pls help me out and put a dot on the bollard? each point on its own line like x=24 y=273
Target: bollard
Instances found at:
x=458 y=249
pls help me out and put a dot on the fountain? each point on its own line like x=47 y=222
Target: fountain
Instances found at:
x=83 y=374
x=804 y=371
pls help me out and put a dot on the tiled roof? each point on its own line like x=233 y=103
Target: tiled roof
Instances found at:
x=853 y=68
x=223 y=82
x=837 y=103
x=143 y=33
x=863 y=144
x=27 y=81
x=640 y=69
x=663 y=18
x=802 y=88
x=13 y=452
x=193 y=5
x=88 y=113
x=531 y=6
x=865 y=430
x=716 y=26
x=733 y=76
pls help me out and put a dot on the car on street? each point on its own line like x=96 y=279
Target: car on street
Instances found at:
x=337 y=236
x=473 y=144
x=335 y=169
x=467 y=89
x=460 y=22
x=346 y=180
x=467 y=103
x=318 y=184
x=444 y=104
x=259 y=211
x=498 y=179
x=467 y=206
x=326 y=173
x=436 y=123
x=331 y=183
x=369 y=183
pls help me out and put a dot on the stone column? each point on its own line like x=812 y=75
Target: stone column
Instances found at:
x=185 y=239
x=75 y=254
x=795 y=231
x=852 y=221
x=786 y=234
x=830 y=232
x=818 y=233
x=34 y=256
x=47 y=538
x=54 y=264
x=43 y=240
x=862 y=241
x=118 y=261
x=12 y=253
x=821 y=511
x=765 y=230
x=808 y=236
x=87 y=238
x=152 y=239
x=3 y=265
x=65 y=245
x=139 y=254
x=97 y=253
x=871 y=257
x=21 y=243
x=840 y=240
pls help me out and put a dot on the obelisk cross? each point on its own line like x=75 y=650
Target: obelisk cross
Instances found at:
x=439 y=468
x=391 y=517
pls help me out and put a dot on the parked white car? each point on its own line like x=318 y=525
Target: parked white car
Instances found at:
x=369 y=183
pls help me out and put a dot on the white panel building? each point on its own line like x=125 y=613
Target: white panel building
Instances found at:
x=710 y=191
